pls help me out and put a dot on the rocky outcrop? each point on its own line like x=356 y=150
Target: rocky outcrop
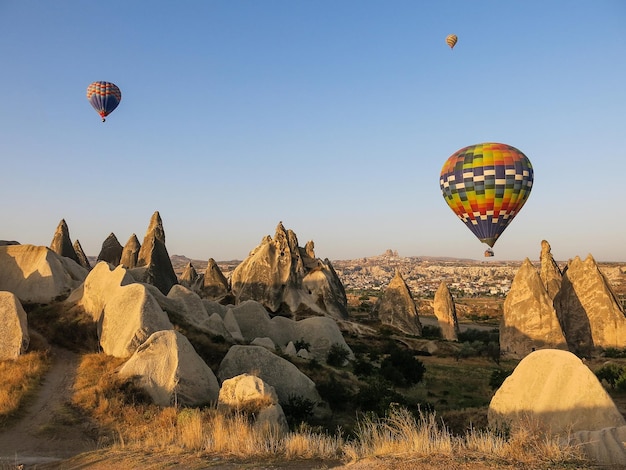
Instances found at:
x=396 y=307
x=529 y=321
x=153 y=263
x=62 y=243
x=130 y=252
x=550 y=273
x=281 y=374
x=82 y=257
x=167 y=367
x=190 y=278
x=36 y=274
x=604 y=447
x=111 y=250
x=588 y=309
x=445 y=311
x=214 y=283
x=287 y=280
x=14 y=338
x=321 y=333
x=249 y=394
x=555 y=390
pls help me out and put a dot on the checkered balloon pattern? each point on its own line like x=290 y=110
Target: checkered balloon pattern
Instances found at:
x=486 y=186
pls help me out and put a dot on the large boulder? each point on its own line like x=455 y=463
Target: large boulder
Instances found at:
x=36 y=274
x=529 y=321
x=396 y=307
x=14 y=338
x=589 y=310
x=287 y=279
x=554 y=389
x=445 y=311
x=322 y=333
x=167 y=367
x=154 y=265
x=281 y=374
x=249 y=394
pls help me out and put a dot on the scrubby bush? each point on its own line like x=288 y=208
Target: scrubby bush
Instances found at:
x=297 y=410
x=377 y=395
x=302 y=344
x=615 y=353
x=336 y=394
x=401 y=368
x=431 y=332
x=498 y=376
x=610 y=373
x=337 y=355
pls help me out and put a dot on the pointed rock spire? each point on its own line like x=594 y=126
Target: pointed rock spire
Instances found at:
x=529 y=321
x=111 y=250
x=80 y=254
x=445 y=311
x=61 y=243
x=551 y=275
x=130 y=252
x=215 y=284
x=396 y=307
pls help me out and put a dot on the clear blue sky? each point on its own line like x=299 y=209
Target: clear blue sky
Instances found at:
x=334 y=117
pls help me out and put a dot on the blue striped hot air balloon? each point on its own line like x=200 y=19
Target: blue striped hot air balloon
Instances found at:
x=104 y=97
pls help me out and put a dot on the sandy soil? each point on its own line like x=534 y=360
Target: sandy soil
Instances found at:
x=47 y=432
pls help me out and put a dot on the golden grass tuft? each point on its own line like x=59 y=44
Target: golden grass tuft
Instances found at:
x=20 y=378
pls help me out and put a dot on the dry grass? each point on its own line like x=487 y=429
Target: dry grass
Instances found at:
x=20 y=379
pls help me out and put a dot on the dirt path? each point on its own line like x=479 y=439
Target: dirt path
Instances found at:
x=48 y=431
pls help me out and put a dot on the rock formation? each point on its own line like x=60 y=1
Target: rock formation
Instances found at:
x=529 y=321
x=61 y=242
x=130 y=252
x=168 y=368
x=285 y=279
x=396 y=307
x=604 y=447
x=551 y=275
x=111 y=250
x=82 y=257
x=588 y=309
x=14 y=338
x=153 y=258
x=249 y=394
x=190 y=278
x=36 y=274
x=445 y=311
x=554 y=389
x=214 y=284
x=281 y=374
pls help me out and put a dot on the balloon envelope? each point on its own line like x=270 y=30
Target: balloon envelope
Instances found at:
x=451 y=40
x=486 y=186
x=104 y=97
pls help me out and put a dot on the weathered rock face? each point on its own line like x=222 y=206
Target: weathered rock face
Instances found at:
x=588 y=309
x=130 y=252
x=36 y=274
x=155 y=260
x=251 y=395
x=14 y=337
x=82 y=257
x=111 y=250
x=396 y=307
x=445 y=311
x=281 y=374
x=320 y=332
x=604 y=447
x=168 y=368
x=214 y=285
x=190 y=278
x=551 y=275
x=274 y=274
x=61 y=242
x=555 y=389
x=529 y=321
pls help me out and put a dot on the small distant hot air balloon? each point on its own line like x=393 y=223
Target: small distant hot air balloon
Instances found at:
x=104 y=97
x=451 y=39
x=486 y=186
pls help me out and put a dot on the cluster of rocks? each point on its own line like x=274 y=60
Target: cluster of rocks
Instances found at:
x=575 y=310
x=133 y=298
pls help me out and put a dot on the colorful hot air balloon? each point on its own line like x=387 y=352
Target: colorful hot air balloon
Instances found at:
x=104 y=97
x=486 y=186
x=451 y=39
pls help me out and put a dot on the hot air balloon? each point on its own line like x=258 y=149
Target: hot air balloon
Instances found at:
x=104 y=97
x=451 y=39
x=486 y=185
